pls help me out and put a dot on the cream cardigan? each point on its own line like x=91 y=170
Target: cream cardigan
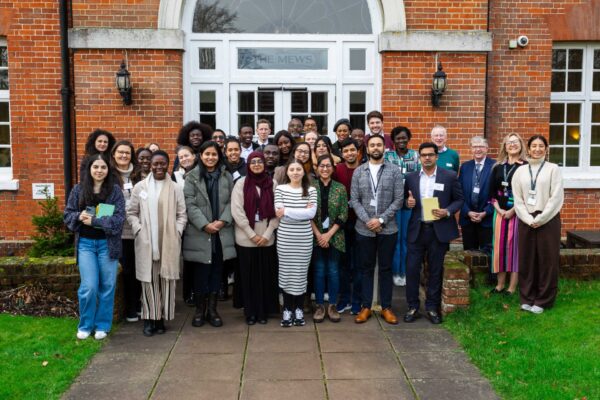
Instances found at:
x=549 y=192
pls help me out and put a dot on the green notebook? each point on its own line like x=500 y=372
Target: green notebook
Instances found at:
x=104 y=210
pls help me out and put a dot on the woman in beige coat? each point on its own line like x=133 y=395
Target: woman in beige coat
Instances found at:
x=157 y=216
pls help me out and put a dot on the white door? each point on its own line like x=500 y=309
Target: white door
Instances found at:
x=280 y=103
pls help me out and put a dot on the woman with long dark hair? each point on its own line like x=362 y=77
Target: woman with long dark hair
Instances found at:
x=98 y=142
x=124 y=164
x=285 y=142
x=252 y=207
x=295 y=206
x=301 y=153
x=95 y=212
x=208 y=239
x=323 y=148
x=157 y=217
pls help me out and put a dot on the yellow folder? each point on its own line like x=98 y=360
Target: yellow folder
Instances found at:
x=429 y=204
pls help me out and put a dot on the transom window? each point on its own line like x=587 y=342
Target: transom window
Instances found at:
x=282 y=16
x=575 y=107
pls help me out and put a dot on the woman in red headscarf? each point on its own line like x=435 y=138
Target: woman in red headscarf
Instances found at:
x=252 y=208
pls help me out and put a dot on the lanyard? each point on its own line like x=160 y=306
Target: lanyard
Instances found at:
x=509 y=171
x=534 y=181
x=374 y=187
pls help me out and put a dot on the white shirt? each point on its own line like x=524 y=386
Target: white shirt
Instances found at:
x=246 y=152
x=374 y=170
x=426 y=183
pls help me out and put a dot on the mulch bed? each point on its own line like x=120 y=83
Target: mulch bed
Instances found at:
x=35 y=300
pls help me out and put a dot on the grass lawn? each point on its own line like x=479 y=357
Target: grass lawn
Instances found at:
x=554 y=355
x=40 y=357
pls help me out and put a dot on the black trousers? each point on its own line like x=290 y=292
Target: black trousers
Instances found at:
x=426 y=245
x=132 y=287
x=207 y=277
x=477 y=237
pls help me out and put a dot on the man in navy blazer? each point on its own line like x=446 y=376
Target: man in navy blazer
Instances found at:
x=476 y=213
x=431 y=238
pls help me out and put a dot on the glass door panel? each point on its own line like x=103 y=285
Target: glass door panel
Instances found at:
x=250 y=103
x=316 y=101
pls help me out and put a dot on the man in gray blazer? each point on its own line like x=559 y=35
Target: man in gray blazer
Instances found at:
x=376 y=195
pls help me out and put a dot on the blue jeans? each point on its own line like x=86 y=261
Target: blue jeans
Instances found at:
x=399 y=263
x=381 y=249
x=97 y=289
x=350 y=275
x=326 y=262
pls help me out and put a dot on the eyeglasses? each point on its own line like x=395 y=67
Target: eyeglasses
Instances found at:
x=428 y=155
x=256 y=161
x=512 y=142
x=123 y=153
x=218 y=137
x=325 y=166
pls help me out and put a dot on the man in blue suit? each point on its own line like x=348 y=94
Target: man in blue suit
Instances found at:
x=431 y=238
x=477 y=212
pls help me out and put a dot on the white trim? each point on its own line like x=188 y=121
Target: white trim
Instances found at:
x=467 y=41
x=9 y=185
x=169 y=14
x=394 y=16
x=104 y=38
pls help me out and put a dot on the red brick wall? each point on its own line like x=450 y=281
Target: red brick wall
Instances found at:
x=35 y=109
x=446 y=15
x=157 y=110
x=115 y=13
x=406 y=96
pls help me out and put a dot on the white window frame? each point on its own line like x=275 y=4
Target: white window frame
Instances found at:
x=584 y=176
x=6 y=173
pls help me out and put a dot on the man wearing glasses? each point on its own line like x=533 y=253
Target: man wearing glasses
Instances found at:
x=435 y=195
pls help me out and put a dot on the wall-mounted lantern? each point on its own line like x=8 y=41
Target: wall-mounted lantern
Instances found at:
x=124 y=84
x=439 y=85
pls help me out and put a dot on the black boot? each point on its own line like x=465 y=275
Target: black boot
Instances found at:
x=159 y=326
x=148 y=327
x=200 y=310
x=212 y=315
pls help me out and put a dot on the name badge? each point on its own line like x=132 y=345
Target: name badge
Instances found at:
x=476 y=190
x=532 y=193
x=144 y=195
x=449 y=165
x=326 y=223
x=373 y=203
x=505 y=184
x=404 y=170
x=128 y=186
x=236 y=175
x=438 y=186
x=531 y=200
x=256 y=217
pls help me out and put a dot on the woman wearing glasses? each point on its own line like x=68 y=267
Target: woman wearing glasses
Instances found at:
x=302 y=154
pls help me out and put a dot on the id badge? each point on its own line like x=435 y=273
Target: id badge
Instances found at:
x=326 y=223
x=476 y=190
x=404 y=170
x=449 y=165
x=373 y=203
x=438 y=187
x=531 y=200
x=236 y=175
x=504 y=183
x=257 y=218
x=128 y=186
x=143 y=195
x=532 y=193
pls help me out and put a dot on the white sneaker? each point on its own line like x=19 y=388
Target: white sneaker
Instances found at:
x=99 y=335
x=399 y=280
x=81 y=335
x=326 y=296
x=537 y=310
x=525 y=307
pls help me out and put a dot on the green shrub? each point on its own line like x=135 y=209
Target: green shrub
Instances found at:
x=52 y=237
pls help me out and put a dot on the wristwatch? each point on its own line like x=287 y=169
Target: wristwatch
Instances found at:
x=448 y=211
x=381 y=220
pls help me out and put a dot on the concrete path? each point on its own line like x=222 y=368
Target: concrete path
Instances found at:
x=318 y=361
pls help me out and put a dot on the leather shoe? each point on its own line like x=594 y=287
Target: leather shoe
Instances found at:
x=363 y=315
x=412 y=315
x=389 y=316
x=434 y=317
x=251 y=320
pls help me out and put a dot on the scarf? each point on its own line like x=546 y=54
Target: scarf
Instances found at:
x=212 y=189
x=254 y=203
x=154 y=191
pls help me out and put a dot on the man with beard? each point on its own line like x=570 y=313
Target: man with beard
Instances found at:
x=246 y=134
x=376 y=195
x=426 y=236
x=271 y=153
x=295 y=127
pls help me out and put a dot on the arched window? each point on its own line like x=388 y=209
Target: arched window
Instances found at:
x=282 y=16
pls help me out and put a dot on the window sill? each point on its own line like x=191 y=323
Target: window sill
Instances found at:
x=580 y=180
x=9 y=185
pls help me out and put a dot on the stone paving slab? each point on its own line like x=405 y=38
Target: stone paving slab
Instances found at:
x=342 y=361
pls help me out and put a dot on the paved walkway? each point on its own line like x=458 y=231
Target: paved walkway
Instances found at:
x=318 y=361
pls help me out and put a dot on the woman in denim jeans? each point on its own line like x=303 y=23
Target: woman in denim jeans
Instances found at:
x=332 y=213
x=97 y=243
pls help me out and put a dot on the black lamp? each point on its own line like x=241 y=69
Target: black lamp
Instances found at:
x=124 y=84
x=439 y=85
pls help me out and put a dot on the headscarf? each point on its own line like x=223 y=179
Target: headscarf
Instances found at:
x=253 y=202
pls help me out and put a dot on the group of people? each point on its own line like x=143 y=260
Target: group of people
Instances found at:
x=295 y=214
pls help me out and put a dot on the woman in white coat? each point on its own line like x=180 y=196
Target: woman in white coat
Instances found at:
x=157 y=216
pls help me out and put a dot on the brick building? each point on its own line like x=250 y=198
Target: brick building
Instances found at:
x=230 y=61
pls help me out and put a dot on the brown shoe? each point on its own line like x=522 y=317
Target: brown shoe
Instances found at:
x=332 y=313
x=319 y=315
x=389 y=316
x=363 y=315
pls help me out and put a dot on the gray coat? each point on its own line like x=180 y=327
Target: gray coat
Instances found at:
x=197 y=245
x=390 y=195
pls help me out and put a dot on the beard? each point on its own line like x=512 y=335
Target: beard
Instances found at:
x=376 y=156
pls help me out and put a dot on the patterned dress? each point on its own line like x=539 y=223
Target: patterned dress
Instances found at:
x=505 y=254
x=294 y=237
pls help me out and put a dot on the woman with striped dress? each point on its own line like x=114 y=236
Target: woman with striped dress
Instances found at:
x=295 y=206
x=505 y=257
